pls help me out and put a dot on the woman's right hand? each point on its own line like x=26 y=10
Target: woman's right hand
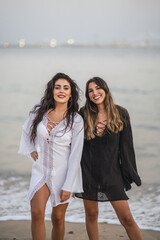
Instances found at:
x=64 y=195
x=34 y=155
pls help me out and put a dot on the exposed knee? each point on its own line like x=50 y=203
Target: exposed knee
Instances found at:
x=57 y=219
x=37 y=214
x=92 y=215
x=127 y=221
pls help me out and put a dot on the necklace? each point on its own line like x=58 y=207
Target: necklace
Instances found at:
x=101 y=113
x=49 y=120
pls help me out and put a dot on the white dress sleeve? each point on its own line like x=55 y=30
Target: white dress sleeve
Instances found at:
x=75 y=154
x=26 y=146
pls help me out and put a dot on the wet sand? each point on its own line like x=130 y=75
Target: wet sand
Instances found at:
x=20 y=230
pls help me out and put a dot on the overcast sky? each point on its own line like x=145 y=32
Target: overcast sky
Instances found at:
x=83 y=20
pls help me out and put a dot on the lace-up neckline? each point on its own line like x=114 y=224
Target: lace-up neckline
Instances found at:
x=51 y=124
x=100 y=128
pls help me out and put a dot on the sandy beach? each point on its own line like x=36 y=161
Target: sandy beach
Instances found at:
x=20 y=230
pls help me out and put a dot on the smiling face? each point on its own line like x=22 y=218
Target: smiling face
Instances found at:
x=96 y=93
x=62 y=91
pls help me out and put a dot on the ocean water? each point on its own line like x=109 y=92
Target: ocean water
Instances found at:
x=133 y=77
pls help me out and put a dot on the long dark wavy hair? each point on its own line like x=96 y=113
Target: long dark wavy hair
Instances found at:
x=48 y=102
x=114 y=123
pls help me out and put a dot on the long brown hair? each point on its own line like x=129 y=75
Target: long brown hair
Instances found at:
x=48 y=102
x=114 y=123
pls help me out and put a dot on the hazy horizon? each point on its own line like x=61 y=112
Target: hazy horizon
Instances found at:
x=85 y=21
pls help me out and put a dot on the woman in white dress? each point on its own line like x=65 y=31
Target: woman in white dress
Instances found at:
x=53 y=136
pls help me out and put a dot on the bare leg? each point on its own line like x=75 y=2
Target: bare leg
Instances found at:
x=58 y=216
x=38 y=204
x=125 y=217
x=91 y=210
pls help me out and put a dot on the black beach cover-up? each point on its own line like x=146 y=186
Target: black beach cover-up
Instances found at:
x=108 y=164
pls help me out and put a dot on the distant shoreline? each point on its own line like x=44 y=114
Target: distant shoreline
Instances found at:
x=85 y=46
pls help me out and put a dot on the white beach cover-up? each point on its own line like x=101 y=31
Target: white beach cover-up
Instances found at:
x=59 y=156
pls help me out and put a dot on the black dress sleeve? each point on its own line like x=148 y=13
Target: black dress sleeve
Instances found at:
x=127 y=154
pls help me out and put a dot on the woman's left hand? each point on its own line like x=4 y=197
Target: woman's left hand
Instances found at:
x=64 y=195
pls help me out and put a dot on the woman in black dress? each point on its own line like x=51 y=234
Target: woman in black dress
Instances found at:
x=108 y=159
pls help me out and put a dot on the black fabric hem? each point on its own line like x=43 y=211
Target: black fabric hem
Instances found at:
x=97 y=200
